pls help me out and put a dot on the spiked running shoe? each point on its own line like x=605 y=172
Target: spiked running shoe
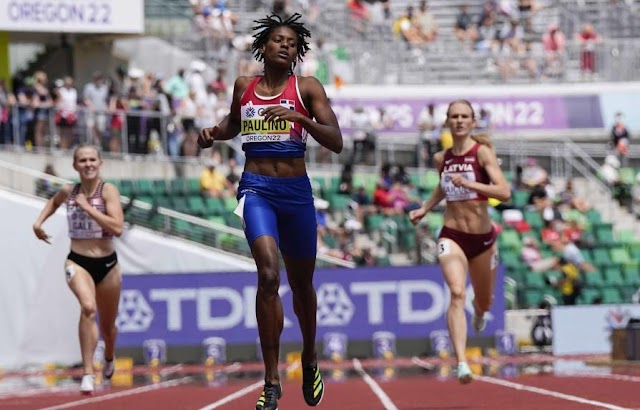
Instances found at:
x=268 y=400
x=479 y=323
x=312 y=385
x=87 y=384
x=464 y=373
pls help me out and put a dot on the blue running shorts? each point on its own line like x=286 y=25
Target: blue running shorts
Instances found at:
x=281 y=208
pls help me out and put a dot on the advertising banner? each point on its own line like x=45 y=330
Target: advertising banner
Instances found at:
x=72 y=16
x=587 y=329
x=537 y=112
x=184 y=309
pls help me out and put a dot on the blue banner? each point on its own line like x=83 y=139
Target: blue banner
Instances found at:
x=184 y=309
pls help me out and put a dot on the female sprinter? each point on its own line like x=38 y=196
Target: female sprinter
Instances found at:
x=274 y=113
x=469 y=174
x=92 y=272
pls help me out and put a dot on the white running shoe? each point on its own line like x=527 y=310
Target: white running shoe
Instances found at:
x=86 y=386
x=464 y=373
x=108 y=367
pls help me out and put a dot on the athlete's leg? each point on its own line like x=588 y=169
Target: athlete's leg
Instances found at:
x=262 y=233
x=300 y=276
x=454 y=267
x=483 y=270
x=82 y=286
x=268 y=304
x=108 y=299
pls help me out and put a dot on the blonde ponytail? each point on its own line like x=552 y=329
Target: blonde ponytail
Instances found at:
x=483 y=138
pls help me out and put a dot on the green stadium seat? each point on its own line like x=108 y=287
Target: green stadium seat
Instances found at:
x=162 y=202
x=627 y=175
x=510 y=239
x=510 y=259
x=520 y=199
x=613 y=277
x=632 y=276
x=594 y=217
x=217 y=220
x=232 y=220
x=177 y=187
x=588 y=295
x=531 y=298
x=373 y=222
x=534 y=219
x=214 y=206
x=160 y=187
x=534 y=280
x=127 y=188
x=435 y=220
x=594 y=279
x=611 y=296
x=627 y=237
x=179 y=203
x=196 y=205
x=620 y=256
x=338 y=201
x=145 y=187
x=604 y=236
x=429 y=180
x=601 y=256
x=146 y=199
x=230 y=203
x=193 y=186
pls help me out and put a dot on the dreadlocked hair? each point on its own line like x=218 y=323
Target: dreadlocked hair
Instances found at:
x=264 y=27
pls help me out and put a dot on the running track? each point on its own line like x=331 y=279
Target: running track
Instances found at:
x=419 y=385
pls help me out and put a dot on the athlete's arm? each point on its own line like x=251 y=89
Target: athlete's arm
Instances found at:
x=49 y=209
x=229 y=127
x=325 y=128
x=113 y=220
x=499 y=187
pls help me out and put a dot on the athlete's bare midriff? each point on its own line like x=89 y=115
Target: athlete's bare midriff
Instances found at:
x=276 y=167
x=468 y=216
x=93 y=248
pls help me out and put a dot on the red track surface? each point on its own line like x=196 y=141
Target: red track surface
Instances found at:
x=412 y=388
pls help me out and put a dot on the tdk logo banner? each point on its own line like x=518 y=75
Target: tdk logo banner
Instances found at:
x=186 y=308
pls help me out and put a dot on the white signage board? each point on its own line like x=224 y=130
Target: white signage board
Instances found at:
x=72 y=16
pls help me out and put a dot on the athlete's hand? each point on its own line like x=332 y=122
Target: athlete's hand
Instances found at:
x=459 y=180
x=416 y=215
x=41 y=234
x=208 y=136
x=278 y=113
x=82 y=202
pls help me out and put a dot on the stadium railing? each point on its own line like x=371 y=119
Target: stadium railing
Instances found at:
x=139 y=213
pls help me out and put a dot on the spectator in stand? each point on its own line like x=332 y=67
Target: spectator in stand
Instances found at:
x=364 y=204
x=588 y=40
x=532 y=256
x=570 y=253
x=177 y=88
x=362 y=135
x=26 y=96
x=359 y=15
x=43 y=103
x=635 y=197
x=7 y=101
x=484 y=121
x=609 y=171
x=95 y=97
x=345 y=185
x=404 y=29
x=232 y=174
x=570 y=283
x=428 y=134
x=463 y=27
x=219 y=83
x=553 y=43
x=44 y=188
x=551 y=232
x=213 y=183
x=568 y=198
x=425 y=23
x=526 y=9
x=620 y=138
x=533 y=174
x=67 y=107
x=401 y=176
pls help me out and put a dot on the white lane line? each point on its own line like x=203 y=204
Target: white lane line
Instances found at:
x=125 y=393
x=242 y=392
x=375 y=387
x=550 y=393
x=544 y=392
x=620 y=377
